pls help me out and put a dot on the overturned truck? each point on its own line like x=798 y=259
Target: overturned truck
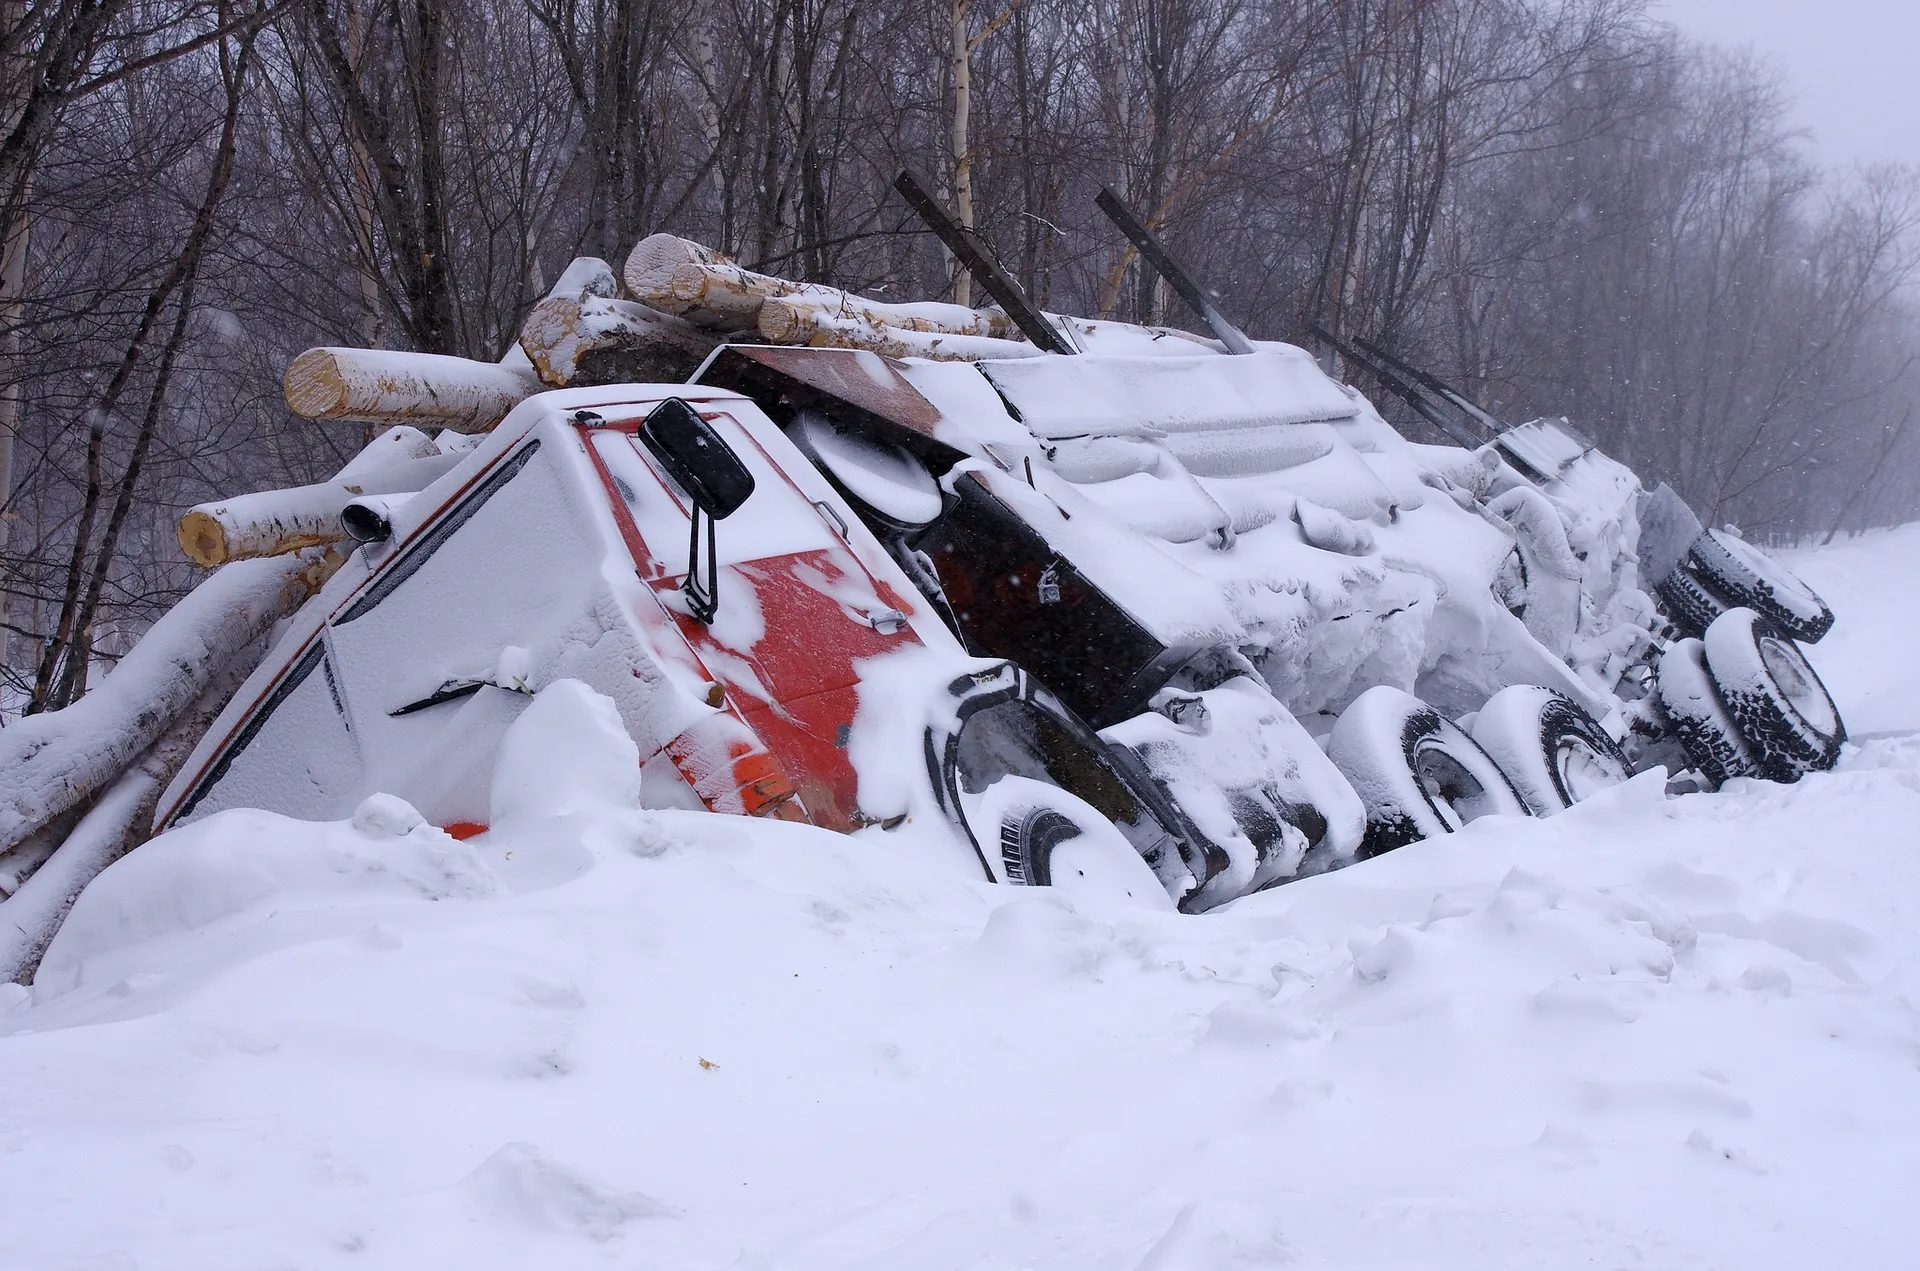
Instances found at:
x=1061 y=601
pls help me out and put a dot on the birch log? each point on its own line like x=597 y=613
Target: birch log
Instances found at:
x=681 y=277
x=795 y=319
x=382 y=386
x=823 y=327
x=648 y=271
x=274 y=522
x=585 y=276
x=53 y=762
x=593 y=340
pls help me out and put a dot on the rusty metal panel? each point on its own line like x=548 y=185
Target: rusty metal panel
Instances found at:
x=853 y=385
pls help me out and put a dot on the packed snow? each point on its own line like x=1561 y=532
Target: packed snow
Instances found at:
x=1649 y=1031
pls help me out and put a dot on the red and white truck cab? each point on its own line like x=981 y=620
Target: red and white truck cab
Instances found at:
x=560 y=547
x=571 y=543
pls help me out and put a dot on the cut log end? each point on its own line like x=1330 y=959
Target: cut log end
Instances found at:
x=314 y=386
x=649 y=267
x=203 y=539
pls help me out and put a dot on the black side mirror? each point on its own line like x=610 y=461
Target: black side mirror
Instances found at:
x=697 y=458
x=701 y=463
x=365 y=523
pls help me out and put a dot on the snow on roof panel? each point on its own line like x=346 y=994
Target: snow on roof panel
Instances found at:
x=1543 y=446
x=1095 y=395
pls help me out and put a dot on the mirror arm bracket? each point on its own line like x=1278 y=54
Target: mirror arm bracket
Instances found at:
x=703 y=594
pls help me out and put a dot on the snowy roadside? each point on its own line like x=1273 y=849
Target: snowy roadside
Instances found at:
x=1869 y=661
x=1672 y=1033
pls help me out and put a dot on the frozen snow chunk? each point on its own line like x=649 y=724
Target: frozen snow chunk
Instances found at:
x=519 y=1183
x=1389 y=955
x=386 y=816
x=567 y=752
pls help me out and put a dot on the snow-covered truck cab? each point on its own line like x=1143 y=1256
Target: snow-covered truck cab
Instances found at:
x=559 y=547
x=778 y=663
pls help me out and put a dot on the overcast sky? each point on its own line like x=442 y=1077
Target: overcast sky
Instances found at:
x=1853 y=65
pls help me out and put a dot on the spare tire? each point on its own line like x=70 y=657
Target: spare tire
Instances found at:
x=1784 y=712
x=1705 y=728
x=1550 y=748
x=1417 y=774
x=1748 y=577
x=1690 y=604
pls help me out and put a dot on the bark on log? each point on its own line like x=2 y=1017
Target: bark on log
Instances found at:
x=683 y=278
x=593 y=340
x=823 y=328
x=794 y=319
x=274 y=522
x=53 y=762
x=381 y=386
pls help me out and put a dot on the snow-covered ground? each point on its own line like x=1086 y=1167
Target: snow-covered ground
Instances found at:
x=1649 y=1032
x=1871 y=661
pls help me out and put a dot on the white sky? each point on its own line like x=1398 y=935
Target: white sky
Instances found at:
x=1853 y=65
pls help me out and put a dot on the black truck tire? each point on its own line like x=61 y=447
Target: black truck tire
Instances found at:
x=1005 y=744
x=1749 y=578
x=1783 y=711
x=1417 y=774
x=1549 y=747
x=1049 y=838
x=1690 y=604
x=1705 y=728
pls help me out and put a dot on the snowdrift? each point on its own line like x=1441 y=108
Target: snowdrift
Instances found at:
x=1670 y=1032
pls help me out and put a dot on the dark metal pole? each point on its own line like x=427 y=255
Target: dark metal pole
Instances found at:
x=1427 y=408
x=978 y=259
x=1155 y=253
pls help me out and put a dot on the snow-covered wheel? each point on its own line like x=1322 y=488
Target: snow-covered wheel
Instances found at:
x=1690 y=605
x=1011 y=750
x=1049 y=838
x=1416 y=772
x=1705 y=728
x=1749 y=578
x=1549 y=747
x=1783 y=711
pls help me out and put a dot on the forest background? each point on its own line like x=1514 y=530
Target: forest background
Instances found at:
x=1562 y=205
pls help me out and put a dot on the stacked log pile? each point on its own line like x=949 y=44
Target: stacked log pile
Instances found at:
x=680 y=301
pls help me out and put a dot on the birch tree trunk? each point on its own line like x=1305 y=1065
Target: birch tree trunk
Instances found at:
x=962 y=62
